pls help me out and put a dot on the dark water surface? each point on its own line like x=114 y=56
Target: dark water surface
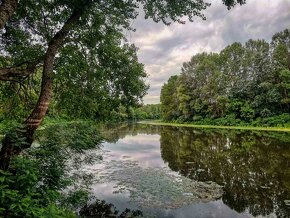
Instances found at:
x=253 y=169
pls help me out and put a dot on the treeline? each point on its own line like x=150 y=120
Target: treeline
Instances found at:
x=244 y=84
x=148 y=112
x=141 y=112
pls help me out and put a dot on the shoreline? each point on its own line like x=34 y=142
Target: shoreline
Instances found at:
x=273 y=129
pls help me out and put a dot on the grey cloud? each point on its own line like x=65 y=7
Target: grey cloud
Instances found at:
x=163 y=49
x=252 y=22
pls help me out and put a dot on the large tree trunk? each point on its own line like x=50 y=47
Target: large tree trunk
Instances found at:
x=37 y=115
x=7 y=8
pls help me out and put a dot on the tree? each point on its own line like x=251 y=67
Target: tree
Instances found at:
x=36 y=34
x=241 y=83
x=117 y=78
x=280 y=46
x=168 y=99
x=7 y=8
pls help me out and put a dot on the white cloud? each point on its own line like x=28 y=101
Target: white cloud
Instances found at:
x=163 y=49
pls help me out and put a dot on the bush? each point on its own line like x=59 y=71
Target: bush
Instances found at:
x=247 y=113
x=265 y=113
x=32 y=185
x=21 y=195
x=196 y=118
x=282 y=120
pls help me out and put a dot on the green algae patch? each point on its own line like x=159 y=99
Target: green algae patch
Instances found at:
x=157 y=187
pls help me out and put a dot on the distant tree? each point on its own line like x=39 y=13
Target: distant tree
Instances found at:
x=168 y=99
x=242 y=82
x=149 y=111
x=281 y=66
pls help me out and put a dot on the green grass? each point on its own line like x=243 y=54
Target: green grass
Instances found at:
x=160 y=123
x=48 y=121
x=4 y=125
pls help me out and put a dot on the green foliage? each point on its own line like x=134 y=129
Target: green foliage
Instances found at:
x=32 y=185
x=282 y=120
x=17 y=99
x=242 y=85
x=247 y=112
x=146 y=112
x=168 y=99
x=141 y=112
x=21 y=195
x=106 y=78
x=96 y=69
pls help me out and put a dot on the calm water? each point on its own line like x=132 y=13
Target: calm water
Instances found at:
x=253 y=169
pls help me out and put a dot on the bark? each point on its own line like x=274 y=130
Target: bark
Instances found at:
x=18 y=72
x=37 y=115
x=7 y=8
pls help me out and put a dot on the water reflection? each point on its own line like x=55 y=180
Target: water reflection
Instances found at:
x=102 y=209
x=144 y=150
x=253 y=167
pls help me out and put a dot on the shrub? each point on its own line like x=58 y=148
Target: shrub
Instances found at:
x=32 y=185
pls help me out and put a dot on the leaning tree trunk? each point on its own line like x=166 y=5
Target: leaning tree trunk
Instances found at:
x=9 y=148
x=7 y=8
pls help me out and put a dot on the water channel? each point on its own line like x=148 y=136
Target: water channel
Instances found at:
x=187 y=172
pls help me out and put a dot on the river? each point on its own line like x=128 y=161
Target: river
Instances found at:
x=189 y=172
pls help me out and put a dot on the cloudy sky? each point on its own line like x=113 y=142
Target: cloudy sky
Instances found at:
x=163 y=49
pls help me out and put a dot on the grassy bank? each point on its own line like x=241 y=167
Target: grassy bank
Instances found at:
x=46 y=122
x=158 y=122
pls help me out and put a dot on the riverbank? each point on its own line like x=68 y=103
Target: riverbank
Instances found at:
x=49 y=122
x=160 y=123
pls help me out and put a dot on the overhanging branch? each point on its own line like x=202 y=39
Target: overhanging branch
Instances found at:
x=19 y=72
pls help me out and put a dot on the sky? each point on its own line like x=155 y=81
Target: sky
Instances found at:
x=163 y=49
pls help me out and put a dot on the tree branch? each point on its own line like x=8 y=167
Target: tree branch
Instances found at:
x=19 y=71
x=7 y=8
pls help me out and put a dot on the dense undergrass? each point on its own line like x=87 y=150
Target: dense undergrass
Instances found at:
x=158 y=122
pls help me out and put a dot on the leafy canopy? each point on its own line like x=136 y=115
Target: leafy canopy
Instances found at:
x=95 y=61
x=240 y=84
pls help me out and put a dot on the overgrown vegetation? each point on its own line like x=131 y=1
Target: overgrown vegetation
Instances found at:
x=148 y=112
x=242 y=85
x=33 y=184
x=140 y=112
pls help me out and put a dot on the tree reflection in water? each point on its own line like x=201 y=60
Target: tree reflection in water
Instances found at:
x=101 y=209
x=253 y=167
